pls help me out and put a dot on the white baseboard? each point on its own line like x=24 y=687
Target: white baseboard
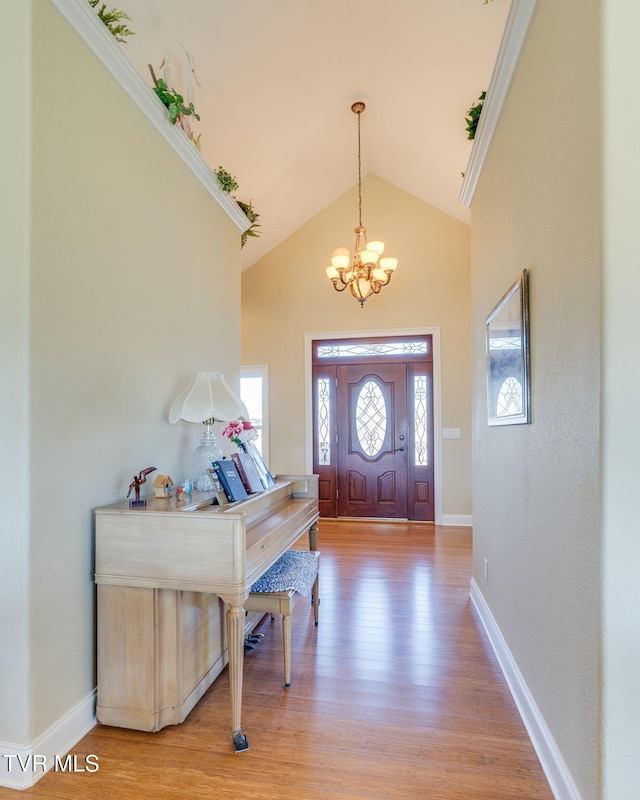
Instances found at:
x=37 y=758
x=457 y=520
x=556 y=771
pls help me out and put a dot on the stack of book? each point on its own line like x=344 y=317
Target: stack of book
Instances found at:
x=245 y=473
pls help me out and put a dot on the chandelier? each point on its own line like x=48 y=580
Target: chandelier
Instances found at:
x=365 y=273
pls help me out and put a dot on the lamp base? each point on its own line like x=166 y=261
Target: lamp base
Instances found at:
x=205 y=454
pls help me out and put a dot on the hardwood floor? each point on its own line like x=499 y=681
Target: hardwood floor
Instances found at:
x=395 y=695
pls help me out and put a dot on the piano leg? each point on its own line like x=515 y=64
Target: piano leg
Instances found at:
x=235 y=639
x=313 y=536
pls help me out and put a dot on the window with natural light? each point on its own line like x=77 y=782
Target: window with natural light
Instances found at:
x=253 y=391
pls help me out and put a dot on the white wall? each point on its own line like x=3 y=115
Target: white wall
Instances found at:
x=133 y=280
x=621 y=390
x=536 y=488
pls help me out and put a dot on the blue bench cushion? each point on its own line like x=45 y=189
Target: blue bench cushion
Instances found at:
x=295 y=569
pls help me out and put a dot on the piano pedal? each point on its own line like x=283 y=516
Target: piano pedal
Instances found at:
x=252 y=640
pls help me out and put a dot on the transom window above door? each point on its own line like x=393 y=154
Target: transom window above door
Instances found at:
x=358 y=350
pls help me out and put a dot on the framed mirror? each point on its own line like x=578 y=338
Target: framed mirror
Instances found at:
x=507 y=342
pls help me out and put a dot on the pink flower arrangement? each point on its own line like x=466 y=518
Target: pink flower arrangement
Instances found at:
x=240 y=431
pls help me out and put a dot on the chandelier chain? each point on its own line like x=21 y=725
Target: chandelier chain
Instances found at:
x=359 y=176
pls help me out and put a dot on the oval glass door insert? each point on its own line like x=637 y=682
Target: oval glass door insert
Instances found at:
x=371 y=418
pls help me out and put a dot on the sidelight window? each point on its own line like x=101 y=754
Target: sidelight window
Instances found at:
x=420 y=420
x=323 y=422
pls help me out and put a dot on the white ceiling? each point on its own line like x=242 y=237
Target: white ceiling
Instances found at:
x=277 y=79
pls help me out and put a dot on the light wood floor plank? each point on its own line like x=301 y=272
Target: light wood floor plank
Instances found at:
x=395 y=695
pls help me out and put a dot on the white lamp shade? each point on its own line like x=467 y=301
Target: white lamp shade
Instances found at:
x=377 y=246
x=369 y=256
x=379 y=274
x=332 y=273
x=208 y=396
x=340 y=258
x=388 y=264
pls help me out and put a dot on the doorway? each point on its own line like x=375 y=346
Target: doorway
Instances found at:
x=373 y=426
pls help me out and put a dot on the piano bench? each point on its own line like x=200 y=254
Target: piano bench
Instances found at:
x=283 y=602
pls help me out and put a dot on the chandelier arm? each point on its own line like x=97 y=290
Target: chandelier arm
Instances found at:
x=339 y=288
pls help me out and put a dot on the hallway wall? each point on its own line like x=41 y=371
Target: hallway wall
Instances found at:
x=287 y=294
x=536 y=487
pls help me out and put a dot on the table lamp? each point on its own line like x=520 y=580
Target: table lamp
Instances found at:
x=207 y=399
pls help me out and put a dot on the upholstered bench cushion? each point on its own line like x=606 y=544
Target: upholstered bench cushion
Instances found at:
x=295 y=570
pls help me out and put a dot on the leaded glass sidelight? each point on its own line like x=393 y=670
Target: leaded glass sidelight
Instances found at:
x=371 y=418
x=323 y=421
x=420 y=420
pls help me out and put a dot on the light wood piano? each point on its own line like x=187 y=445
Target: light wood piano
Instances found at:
x=168 y=576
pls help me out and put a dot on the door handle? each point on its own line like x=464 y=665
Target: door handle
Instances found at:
x=399 y=449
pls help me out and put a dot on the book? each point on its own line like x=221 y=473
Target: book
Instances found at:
x=263 y=471
x=247 y=471
x=230 y=480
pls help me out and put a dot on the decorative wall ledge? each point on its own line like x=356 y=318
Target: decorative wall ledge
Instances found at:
x=520 y=15
x=94 y=32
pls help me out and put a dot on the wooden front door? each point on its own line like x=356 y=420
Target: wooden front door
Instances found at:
x=373 y=427
x=372 y=433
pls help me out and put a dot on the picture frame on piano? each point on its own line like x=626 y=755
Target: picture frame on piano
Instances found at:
x=218 y=492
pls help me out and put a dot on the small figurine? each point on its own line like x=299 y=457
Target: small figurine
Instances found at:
x=135 y=484
x=162 y=485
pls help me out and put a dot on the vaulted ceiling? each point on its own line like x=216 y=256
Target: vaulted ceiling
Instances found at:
x=277 y=79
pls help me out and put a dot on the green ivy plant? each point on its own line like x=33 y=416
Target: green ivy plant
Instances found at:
x=227 y=182
x=113 y=20
x=474 y=116
x=253 y=218
x=172 y=100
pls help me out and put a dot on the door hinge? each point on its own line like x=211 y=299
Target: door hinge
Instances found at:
x=337 y=493
x=337 y=435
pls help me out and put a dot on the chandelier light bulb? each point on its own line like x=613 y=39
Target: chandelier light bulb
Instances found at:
x=379 y=275
x=332 y=273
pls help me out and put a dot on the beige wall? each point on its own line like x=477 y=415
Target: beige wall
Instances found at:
x=287 y=294
x=621 y=390
x=14 y=342
x=536 y=487
x=134 y=284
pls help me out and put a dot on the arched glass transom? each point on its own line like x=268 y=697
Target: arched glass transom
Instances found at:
x=509 y=398
x=371 y=418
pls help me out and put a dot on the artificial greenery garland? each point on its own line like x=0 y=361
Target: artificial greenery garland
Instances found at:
x=474 y=116
x=113 y=20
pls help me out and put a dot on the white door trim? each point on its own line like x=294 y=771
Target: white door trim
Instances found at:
x=310 y=338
